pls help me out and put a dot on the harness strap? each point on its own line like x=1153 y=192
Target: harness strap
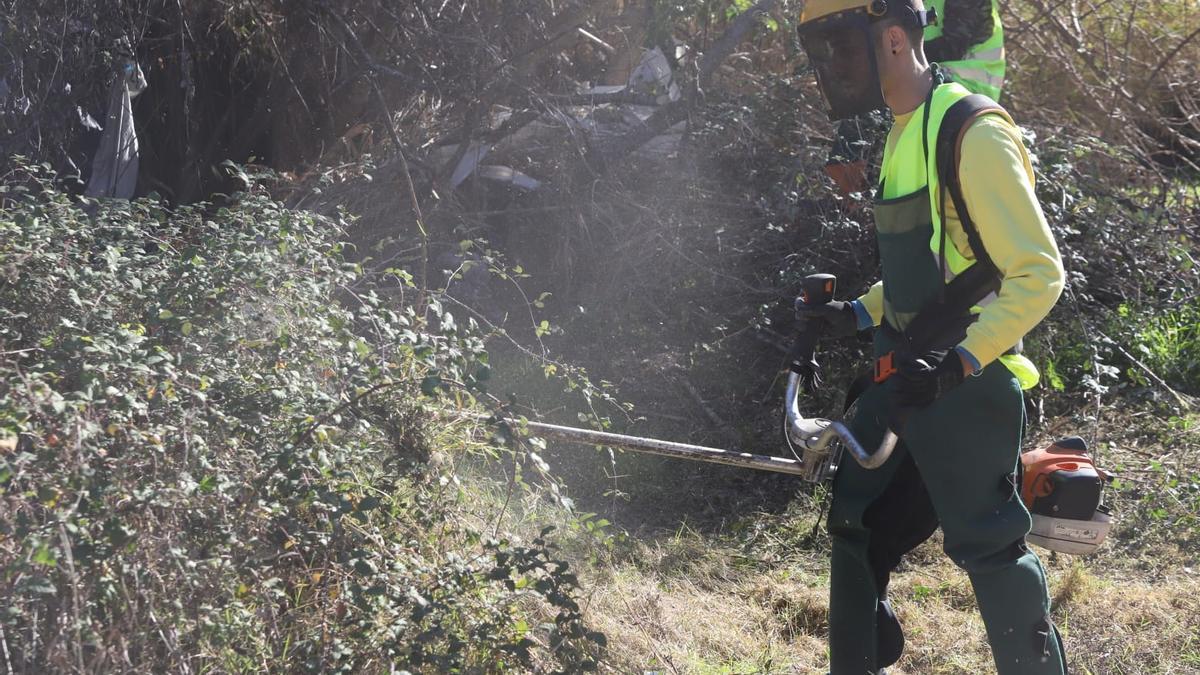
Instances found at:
x=949 y=154
x=943 y=322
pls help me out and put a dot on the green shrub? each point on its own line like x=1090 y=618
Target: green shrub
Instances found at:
x=217 y=451
x=1168 y=343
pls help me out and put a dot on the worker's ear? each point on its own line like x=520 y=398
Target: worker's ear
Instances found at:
x=895 y=40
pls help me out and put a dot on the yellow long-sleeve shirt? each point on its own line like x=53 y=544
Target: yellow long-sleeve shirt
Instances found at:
x=997 y=188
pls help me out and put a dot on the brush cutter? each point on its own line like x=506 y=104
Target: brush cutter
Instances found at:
x=1060 y=485
x=813 y=440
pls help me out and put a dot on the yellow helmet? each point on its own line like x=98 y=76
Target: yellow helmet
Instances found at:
x=905 y=10
x=818 y=9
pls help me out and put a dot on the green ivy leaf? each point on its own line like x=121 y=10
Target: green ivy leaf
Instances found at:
x=45 y=556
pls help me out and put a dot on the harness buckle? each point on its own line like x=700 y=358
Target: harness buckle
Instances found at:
x=885 y=367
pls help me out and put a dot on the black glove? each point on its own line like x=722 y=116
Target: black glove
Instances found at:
x=921 y=381
x=835 y=318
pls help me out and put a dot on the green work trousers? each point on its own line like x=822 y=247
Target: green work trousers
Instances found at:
x=965 y=447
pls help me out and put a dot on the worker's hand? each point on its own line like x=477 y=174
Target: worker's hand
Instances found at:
x=921 y=381
x=835 y=318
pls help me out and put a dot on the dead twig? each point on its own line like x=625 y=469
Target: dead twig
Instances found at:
x=399 y=145
x=1183 y=400
x=730 y=39
x=716 y=420
x=1171 y=55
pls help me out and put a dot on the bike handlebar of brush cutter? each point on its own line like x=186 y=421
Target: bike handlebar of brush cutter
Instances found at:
x=814 y=434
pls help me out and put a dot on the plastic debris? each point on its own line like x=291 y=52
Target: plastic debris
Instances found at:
x=115 y=166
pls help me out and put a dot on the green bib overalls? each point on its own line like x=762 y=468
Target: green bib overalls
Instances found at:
x=965 y=447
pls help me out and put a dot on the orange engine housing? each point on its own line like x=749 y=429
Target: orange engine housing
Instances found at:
x=1063 y=490
x=1061 y=481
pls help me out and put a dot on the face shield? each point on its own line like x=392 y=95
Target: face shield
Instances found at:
x=841 y=50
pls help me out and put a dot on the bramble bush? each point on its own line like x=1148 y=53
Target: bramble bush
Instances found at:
x=215 y=455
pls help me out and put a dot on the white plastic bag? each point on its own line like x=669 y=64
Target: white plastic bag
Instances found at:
x=115 y=166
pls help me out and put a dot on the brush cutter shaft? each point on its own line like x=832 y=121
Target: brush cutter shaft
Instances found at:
x=655 y=446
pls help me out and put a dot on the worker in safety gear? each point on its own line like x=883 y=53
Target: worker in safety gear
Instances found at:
x=967 y=41
x=957 y=405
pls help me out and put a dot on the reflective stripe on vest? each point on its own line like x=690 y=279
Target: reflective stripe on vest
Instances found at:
x=981 y=69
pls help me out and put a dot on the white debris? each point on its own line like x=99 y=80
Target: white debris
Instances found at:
x=509 y=175
x=469 y=162
x=115 y=166
x=652 y=76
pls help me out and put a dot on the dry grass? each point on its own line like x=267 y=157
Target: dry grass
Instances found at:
x=713 y=617
x=676 y=625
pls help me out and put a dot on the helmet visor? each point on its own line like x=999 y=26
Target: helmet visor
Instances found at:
x=841 y=52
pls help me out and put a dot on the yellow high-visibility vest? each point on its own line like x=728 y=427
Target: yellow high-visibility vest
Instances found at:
x=907 y=169
x=981 y=69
